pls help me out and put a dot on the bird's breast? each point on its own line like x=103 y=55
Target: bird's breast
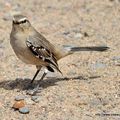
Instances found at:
x=22 y=51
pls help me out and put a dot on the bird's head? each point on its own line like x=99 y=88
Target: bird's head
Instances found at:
x=21 y=22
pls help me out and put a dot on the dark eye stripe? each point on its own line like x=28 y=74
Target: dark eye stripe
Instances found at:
x=24 y=21
x=15 y=22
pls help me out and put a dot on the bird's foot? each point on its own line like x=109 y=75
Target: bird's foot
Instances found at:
x=30 y=86
x=34 y=91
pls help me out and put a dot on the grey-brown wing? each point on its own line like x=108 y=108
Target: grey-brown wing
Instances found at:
x=42 y=50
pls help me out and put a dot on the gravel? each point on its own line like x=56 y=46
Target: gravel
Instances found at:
x=24 y=110
x=71 y=96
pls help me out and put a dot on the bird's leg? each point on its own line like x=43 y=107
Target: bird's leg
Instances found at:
x=30 y=86
x=36 y=89
x=38 y=85
x=35 y=76
x=38 y=70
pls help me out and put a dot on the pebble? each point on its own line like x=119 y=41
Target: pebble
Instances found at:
x=18 y=98
x=18 y=104
x=24 y=110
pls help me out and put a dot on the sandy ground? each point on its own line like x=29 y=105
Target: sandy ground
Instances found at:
x=90 y=86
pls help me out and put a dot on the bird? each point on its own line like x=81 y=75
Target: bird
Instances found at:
x=32 y=47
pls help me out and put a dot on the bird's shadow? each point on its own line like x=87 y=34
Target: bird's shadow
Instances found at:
x=22 y=84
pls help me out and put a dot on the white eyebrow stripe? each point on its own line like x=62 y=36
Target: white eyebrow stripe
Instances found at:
x=22 y=19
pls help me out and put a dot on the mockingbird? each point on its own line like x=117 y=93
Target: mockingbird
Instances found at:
x=33 y=48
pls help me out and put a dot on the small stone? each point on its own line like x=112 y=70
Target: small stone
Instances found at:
x=24 y=110
x=18 y=98
x=19 y=104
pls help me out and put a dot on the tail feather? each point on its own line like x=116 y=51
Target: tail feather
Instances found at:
x=68 y=49
x=94 y=48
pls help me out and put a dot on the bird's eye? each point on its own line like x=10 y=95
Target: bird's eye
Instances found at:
x=20 y=22
x=24 y=21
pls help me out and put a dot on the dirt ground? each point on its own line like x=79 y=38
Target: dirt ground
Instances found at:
x=90 y=86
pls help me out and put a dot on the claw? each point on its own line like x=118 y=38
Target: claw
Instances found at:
x=36 y=90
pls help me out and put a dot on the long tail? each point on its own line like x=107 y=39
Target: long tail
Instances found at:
x=91 y=48
x=68 y=49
